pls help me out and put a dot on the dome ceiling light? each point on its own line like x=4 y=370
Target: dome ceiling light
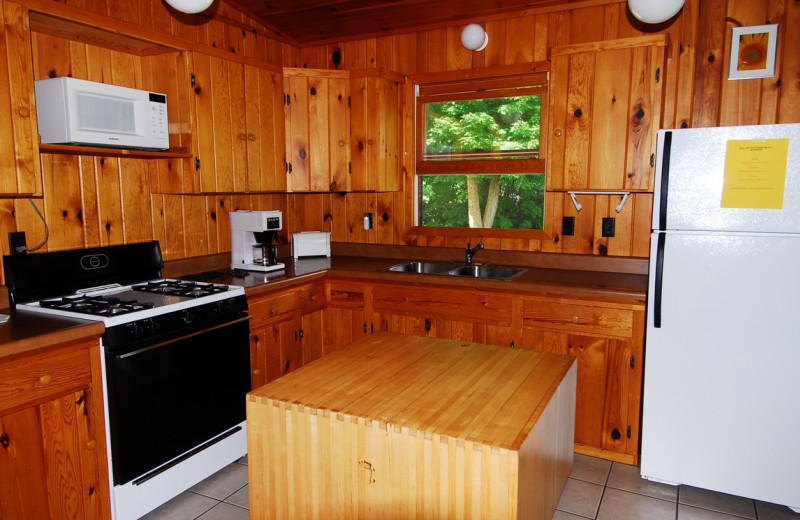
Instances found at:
x=190 y=6
x=654 y=11
x=474 y=38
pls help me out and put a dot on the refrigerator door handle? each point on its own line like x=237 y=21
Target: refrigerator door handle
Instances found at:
x=659 y=275
x=665 y=158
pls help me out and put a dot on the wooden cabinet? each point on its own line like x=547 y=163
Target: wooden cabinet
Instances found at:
x=20 y=169
x=607 y=340
x=53 y=462
x=285 y=331
x=605 y=110
x=466 y=314
x=348 y=315
x=317 y=126
x=238 y=125
x=376 y=130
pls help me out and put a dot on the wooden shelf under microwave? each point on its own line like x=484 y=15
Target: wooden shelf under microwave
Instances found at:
x=172 y=153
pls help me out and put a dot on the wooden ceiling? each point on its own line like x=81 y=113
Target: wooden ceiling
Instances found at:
x=309 y=22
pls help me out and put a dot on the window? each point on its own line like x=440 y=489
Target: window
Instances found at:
x=479 y=153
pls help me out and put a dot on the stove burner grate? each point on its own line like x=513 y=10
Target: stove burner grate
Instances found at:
x=97 y=305
x=181 y=288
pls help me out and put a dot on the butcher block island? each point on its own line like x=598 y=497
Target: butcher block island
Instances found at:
x=400 y=427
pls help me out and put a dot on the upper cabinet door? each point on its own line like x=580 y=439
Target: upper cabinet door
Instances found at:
x=317 y=129
x=605 y=110
x=238 y=126
x=20 y=170
x=376 y=130
x=265 y=137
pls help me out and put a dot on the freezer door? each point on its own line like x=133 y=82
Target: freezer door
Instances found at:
x=721 y=381
x=690 y=172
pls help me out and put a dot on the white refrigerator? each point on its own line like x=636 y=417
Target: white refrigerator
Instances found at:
x=721 y=404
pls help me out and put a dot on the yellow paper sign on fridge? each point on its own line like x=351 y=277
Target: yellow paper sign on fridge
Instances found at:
x=755 y=173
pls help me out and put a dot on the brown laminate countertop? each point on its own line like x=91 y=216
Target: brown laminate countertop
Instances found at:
x=549 y=281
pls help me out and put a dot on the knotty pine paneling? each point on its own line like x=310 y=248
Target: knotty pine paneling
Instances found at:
x=696 y=94
x=91 y=201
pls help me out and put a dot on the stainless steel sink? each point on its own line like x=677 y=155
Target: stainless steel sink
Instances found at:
x=487 y=272
x=493 y=272
x=423 y=267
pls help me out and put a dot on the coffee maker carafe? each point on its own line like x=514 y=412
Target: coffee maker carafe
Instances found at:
x=253 y=236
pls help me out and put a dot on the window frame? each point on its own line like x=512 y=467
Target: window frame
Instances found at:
x=500 y=81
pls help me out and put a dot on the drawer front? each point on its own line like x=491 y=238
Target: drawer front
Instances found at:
x=580 y=319
x=346 y=295
x=37 y=378
x=312 y=297
x=271 y=309
x=458 y=305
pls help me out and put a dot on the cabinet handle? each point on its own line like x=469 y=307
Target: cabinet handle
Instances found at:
x=4 y=440
x=558 y=133
x=256 y=372
x=24 y=111
x=286 y=366
x=91 y=444
x=251 y=137
x=301 y=333
x=365 y=328
x=615 y=434
x=242 y=137
x=576 y=319
x=46 y=379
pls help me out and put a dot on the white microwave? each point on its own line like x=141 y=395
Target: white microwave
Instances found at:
x=76 y=111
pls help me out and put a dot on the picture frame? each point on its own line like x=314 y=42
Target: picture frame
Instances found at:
x=753 y=51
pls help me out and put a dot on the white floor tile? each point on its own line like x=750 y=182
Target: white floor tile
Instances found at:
x=223 y=483
x=719 y=502
x=628 y=478
x=623 y=505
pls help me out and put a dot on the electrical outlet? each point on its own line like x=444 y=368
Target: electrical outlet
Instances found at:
x=608 y=226
x=16 y=243
x=567 y=226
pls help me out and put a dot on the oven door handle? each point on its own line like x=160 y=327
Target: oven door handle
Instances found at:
x=181 y=338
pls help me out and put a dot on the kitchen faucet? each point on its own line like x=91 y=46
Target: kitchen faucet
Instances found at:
x=472 y=250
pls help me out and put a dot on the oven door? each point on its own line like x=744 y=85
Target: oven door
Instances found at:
x=170 y=397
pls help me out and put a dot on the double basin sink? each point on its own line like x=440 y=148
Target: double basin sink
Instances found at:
x=482 y=271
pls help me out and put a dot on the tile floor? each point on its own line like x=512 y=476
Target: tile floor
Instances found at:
x=597 y=489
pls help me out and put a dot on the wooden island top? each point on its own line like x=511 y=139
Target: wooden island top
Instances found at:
x=396 y=426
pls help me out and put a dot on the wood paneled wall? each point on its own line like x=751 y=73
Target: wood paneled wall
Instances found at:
x=697 y=94
x=99 y=201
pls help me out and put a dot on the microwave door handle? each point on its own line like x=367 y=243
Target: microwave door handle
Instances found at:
x=181 y=338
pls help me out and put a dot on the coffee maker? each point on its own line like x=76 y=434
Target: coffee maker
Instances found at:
x=253 y=234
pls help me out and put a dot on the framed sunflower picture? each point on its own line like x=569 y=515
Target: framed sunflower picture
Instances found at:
x=753 y=51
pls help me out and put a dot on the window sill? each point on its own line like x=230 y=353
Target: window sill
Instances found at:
x=535 y=234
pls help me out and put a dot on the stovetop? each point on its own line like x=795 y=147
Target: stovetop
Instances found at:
x=118 y=285
x=114 y=304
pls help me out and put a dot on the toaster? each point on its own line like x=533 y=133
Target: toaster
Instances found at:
x=311 y=243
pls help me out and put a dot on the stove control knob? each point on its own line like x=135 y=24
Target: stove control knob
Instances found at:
x=150 y=326
x=224 y=306
x=134 y=330
x=187 y=317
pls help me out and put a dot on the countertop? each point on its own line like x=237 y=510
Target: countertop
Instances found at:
x=563 y=282
x=25 y=332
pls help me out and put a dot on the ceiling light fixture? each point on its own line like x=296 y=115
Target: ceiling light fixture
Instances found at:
x=190 y=6
x=474 y=38
x=654 y=11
